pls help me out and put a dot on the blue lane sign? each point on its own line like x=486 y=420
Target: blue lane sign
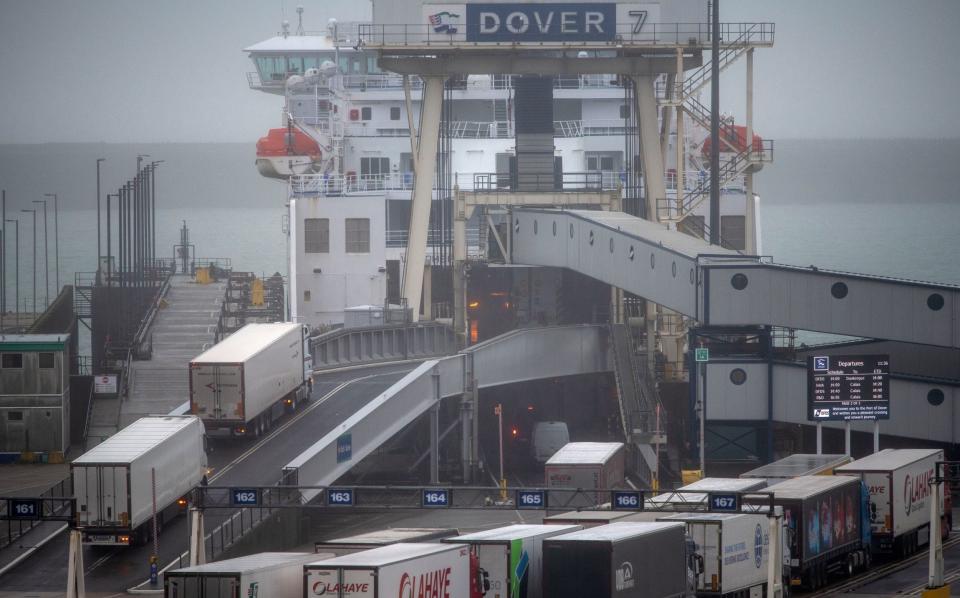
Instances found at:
x=626 y=500
x=435 y=497
x=725 y=502
x=344 y=448
x=340 y=497
x=24 y=508
x=536 y=22
x=531 y=499
x=244 y=497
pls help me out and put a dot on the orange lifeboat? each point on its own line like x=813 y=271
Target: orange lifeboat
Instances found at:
x=286 y=152
x=736 y=135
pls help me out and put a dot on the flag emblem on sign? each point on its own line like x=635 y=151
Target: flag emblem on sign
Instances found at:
x=444 y=22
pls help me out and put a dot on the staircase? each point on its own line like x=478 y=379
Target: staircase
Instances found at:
x=502 y=117
x=639 y=403
x=683 y=96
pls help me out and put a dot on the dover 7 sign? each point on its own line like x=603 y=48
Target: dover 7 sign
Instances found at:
x=540 y=22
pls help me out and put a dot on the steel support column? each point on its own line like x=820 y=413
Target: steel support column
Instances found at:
x=651 y=155
x=425 y=169
x=751 y=212
x=435 y=431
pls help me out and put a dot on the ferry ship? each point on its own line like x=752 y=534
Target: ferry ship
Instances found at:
x=343 y=148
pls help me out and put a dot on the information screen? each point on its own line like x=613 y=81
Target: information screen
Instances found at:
x=848 y=387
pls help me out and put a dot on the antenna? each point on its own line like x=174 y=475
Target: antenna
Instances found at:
x=300 y=20
x=286 y=27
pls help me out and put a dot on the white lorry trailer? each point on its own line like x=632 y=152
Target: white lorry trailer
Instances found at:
x=244 y=382
x=586 y=465
x=898 y=481
x=734 y=548
x=510 y=558
x=626 y=560
x=264 y=575
x=113 y=482
x=441 y=570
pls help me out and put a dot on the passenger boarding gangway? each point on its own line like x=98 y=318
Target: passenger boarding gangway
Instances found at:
x=720 y=287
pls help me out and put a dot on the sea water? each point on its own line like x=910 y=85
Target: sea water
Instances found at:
x=884 y=207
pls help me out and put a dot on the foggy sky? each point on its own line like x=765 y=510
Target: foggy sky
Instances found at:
x=173 y=70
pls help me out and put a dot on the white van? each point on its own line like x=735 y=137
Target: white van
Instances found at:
x=548 y=438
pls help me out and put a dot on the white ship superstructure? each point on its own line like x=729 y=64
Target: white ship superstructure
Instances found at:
x=345 y=149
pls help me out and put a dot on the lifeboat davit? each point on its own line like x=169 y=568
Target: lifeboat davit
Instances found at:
x=736 y=135
x=286 y=152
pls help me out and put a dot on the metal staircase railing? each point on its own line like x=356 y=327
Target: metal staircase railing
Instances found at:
x=669 y=210
x=641 y=413
x=729 y=54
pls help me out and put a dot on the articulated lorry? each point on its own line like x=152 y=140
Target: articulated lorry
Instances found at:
x=441 y=570
x=510 y=558
x=114 y=481
x=827 y=522
x=626 y=560
x=898 y=481
x=586 y=465
x=243 y=383
x=734 y=548
x=263 y=575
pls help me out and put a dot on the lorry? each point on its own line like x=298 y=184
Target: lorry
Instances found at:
x=694 y=496
x=404 y=570
x=827 y=523
x=586 y=465
x=384 y=537
x=626 y=560
x=898 y=481
x=510 y=557
x=243 y=383
x=734 y=548
x=263 y=575
x=800 y=464
x=114 y=481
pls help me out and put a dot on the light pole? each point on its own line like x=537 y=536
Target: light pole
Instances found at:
x=46 y=255
x=153 y=208
x=56 y=237
x=34 y=212
x=16 y=265
x=99 y=250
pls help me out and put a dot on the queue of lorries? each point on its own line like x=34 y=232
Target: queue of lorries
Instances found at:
x=239 y=386
x=837 y=515
x=834 y=523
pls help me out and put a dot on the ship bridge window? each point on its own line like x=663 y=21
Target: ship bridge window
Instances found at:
x=350 y=65
x=294 y=65
x=372 y=67
x=272 y=68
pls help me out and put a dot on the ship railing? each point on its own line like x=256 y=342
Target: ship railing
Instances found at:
x=254 y=80
x=398 y=237
x=626 y=34
x=336 y=184
x=379 y=81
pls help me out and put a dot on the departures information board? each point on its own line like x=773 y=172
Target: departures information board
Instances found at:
x=848 y=387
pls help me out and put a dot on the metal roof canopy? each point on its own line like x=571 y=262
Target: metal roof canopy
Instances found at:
x=800 y=464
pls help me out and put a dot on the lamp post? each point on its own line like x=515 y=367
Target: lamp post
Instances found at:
x=16 y=265
x=56 y=237
x=99 y=249
x=34 y=212
x=153 y=208
x=46 y=255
